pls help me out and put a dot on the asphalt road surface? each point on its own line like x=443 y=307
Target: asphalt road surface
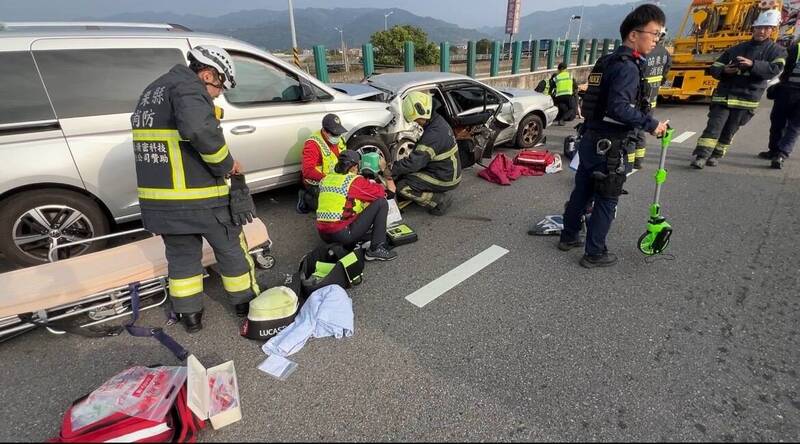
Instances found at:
x=533 y=347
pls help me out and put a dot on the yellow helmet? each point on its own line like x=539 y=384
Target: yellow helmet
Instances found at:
x=417 y=105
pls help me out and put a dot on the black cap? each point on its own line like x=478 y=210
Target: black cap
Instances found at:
x=349 y=157
x=333 y=125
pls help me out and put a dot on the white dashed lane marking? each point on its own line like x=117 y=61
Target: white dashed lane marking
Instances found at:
x=457 y=275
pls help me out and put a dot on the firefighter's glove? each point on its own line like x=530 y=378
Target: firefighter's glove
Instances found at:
x=243 y=209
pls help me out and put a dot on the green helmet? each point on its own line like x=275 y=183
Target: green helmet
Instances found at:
x=417 y=105
x=370 y=164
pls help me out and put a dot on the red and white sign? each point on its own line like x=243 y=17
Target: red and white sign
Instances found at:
x=512 y=16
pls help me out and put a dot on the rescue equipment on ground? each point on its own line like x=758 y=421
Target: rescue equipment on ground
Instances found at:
x=140 y=404
x=550 y=225
x=543 y=161
x=656 y=239
x=328 y=265
x=401 y=234
x=213 y=393
x=269 y=313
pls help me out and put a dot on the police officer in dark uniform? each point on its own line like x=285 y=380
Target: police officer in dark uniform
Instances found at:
x=613 y=106
x=785 y=116
x=655 y=70
x=182 y=161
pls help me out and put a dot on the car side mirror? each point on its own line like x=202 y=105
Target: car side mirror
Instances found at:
x=306 y=92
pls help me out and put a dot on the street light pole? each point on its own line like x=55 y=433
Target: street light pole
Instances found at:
x=386 y=20
x=344 y=50
x=580 y=25
x=295 y=55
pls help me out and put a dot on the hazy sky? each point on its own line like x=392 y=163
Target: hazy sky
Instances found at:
x=467 y=13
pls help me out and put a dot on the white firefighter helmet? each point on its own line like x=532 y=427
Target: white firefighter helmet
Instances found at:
x=217 y=58
x=770 y=17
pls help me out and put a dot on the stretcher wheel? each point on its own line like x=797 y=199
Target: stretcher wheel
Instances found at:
x=358 y=280
x=264 y=261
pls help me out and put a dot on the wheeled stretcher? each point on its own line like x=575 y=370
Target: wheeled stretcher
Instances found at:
x=96 y=288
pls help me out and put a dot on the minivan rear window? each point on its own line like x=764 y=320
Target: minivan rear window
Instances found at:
x=24 y=99
x=91 y=82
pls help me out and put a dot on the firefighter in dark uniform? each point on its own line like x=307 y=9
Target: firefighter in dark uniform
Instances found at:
x=182 y=161
x=743 y=72
x=785 y=116
x=434 y=166
x=613 y=106
x=655 y=70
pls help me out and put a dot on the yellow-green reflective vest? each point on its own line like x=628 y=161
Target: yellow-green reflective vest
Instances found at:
x=563 y=84
x=329 y=159
x=333 y=197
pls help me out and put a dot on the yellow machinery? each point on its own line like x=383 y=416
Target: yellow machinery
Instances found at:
x=708 y=29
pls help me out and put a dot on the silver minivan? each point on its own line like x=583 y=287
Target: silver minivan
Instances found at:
x=65 y=138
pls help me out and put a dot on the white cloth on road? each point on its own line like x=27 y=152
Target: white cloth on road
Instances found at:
x=327 y=312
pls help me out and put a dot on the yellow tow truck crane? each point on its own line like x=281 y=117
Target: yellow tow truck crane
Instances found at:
x=713 y=27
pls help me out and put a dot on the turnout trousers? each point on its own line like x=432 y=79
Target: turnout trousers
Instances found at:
x=184 y=253
x=723 y=123
x=605 y=208
x=785 y=124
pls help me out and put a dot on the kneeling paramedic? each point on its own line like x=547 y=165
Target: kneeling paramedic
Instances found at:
x=182 y=161
x=613 y=107
x=434 y=166
x=320 y=153
x=351 y=205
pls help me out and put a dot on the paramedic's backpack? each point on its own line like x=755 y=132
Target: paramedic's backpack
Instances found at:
x=328 y=265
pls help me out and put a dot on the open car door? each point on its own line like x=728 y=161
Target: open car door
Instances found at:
x=479 y=114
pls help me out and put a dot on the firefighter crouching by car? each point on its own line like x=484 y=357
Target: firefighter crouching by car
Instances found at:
x=613 y=109
x=743 y=72
x=351 y=206
x=320 y=153
x=181 y=164
x=655 y=70
x=434 y=166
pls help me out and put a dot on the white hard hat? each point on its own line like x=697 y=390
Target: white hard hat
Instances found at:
x=770 y=17
x=217 y=58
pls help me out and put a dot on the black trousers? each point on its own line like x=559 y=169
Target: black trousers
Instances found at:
x=784 y=123
x=723 y=123
x=566 y=107
x=605 y=208
x=373 y=217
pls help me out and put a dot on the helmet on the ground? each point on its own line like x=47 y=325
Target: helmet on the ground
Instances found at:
x=770 y=17
x=217 y=58
x=417 y=105
x=269 y=313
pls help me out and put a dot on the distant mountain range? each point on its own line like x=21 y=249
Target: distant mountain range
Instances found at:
x=314 y=26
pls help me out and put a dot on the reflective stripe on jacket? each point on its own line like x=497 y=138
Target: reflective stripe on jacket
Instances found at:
x=179 y=149
x=744 y=88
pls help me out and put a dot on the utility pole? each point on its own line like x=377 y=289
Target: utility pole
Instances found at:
x=386 y=20
x=344 y=50
x=295 y=54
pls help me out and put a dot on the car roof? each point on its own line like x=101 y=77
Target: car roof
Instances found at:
x=400 y=81
x=20 y=39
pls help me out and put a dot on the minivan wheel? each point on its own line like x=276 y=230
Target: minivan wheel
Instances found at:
x=530 y=131
x=366 y=144
x=31 y=221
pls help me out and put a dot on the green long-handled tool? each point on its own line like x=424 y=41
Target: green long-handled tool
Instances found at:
x=656 y=238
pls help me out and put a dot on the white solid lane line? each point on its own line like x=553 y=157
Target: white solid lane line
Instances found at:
x=457 y=275
x=683 y=137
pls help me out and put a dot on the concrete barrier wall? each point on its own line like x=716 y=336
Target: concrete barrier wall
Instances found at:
x=529 y=80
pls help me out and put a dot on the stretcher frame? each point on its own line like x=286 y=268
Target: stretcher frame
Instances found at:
x=112 y=303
